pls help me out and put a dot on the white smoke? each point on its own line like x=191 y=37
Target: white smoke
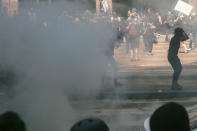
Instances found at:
x=54 y=59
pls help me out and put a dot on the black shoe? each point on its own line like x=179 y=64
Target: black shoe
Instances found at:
x=176 y=87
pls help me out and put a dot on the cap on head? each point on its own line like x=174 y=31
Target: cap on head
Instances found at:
x=10 y=121
x=91 y=124
x=170 y=117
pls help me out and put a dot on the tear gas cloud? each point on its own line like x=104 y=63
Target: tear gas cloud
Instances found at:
x=54 y=59
x=52 y=63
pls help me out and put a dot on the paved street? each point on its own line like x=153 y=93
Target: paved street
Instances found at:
x=145 y=86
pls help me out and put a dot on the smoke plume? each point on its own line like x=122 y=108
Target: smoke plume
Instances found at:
x=53 y=59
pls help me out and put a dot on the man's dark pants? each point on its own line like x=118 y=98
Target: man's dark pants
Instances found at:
x=177 y=67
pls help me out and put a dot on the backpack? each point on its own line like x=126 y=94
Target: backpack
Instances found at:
x=133 y=30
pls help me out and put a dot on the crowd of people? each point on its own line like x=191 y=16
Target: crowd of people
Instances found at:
x=151 y=24
x=169 y=117
x=146 y=24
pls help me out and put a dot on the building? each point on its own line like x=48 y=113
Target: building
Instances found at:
x=10 y=6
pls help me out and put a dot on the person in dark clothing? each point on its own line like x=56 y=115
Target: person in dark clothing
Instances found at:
x=90 y=124
x=149 y=39
x=173 y=58
x=109 y=54
x=151 y=16
x=11 y=121
x=170 y=117
x=133 y=40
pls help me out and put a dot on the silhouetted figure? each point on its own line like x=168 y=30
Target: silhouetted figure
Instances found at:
x=91 y=124
x=109 y=54
x=10 y=121
x=170 y=117
x=179 y=35
x=149 y=39
x=133 y=40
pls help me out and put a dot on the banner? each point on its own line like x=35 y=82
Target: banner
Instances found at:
x=183 y=7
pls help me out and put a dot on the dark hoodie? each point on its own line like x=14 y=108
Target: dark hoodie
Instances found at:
x=179 y=36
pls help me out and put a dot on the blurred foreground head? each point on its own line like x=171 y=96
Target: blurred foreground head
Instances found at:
x=170 y=117
x=10 y=121
x=91 y=124
x=181 y=33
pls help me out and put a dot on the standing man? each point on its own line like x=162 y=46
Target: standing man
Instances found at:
x=149 y=39
x=109 y=55
x=179 y=35
x=133 y=40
